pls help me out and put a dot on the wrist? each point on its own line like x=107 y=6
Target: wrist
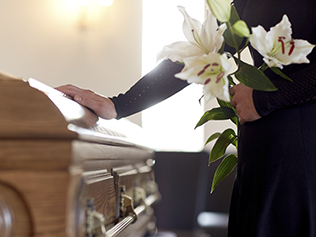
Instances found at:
x=109 y=111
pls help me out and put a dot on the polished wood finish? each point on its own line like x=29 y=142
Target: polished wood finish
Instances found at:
x=26 y=112
x=53 y=161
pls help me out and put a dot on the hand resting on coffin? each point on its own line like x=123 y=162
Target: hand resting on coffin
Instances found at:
x=100 y=105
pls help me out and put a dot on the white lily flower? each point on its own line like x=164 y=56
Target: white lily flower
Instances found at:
x=277 y=46
x=211 y=72
x=202 y=39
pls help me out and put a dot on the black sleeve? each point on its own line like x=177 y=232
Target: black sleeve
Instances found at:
x=157 y=85
x=301 y=90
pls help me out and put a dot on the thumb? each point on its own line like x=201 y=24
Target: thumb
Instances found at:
x=241 y=121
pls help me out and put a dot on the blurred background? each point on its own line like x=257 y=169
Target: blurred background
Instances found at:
x=106 y=46
x=105 y=49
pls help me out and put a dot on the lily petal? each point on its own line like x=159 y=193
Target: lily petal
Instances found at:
x=212 y=34
x=257 y=39
x=282 y=29
x=301 y=48
x=178 y=51
x=202 y=39
x=210 y=71
x=191 y=27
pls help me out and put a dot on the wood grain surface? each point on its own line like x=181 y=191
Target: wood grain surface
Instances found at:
x=49 y=172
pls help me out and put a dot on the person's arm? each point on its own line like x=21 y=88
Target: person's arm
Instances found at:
x=157 y=85
x=154 y=87
x=301 y=90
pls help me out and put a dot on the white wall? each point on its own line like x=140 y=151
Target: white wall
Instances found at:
x=44 y=39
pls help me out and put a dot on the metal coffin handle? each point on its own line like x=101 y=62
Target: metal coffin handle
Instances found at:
x=130 y=218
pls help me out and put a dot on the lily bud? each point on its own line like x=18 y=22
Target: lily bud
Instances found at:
x=241 y=29
x=220 y=9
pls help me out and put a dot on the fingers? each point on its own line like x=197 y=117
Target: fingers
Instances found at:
x=241 y=121
x=232 y=92
x=233 y=102
x=237 y=92
x=100 y=105
x=69 y=89
x=237 y=103
x=242 y=101
x=86 y=100
x=80 y=95
x=240 y=116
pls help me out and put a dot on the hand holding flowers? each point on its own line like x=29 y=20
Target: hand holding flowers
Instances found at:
x=206 y=64
x=242 y=101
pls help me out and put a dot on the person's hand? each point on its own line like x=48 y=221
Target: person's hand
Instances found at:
x=242 y=101
x=102 y=106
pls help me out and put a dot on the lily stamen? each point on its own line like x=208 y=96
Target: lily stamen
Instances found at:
x=207 y=81
x=282 y=43
x=292 y=47
x=199 y=43
x=219 y=77
x=203 y=70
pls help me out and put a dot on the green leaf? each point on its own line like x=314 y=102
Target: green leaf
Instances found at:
x=223 y=103
x=222 y=49
x=227 y=104
x=280 y=73
x=213 y=137
x=252 y=77
x=235 y=120
x=234 y=17
x=220 y=113
x=231 y=80
x=225 y=139
x=231 y=39
x=224 y=169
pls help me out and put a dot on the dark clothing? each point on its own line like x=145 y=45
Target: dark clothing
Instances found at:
x=275 y=188
x=154 y=87
x=274 y=192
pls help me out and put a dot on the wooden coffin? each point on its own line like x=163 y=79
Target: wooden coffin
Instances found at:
x=66 y=172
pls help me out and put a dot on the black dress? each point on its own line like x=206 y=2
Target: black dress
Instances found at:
x=275 y=188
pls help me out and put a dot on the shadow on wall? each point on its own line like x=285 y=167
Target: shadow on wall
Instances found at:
x=184 y=181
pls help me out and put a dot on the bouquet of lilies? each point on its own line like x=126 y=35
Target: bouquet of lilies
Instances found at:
x=206 y=63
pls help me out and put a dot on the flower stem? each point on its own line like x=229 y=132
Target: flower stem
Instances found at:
x=263 y=67
x=234 y=39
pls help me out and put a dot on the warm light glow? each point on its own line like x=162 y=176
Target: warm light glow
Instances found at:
x=83 y=2
x=105 y=3
x=86 y=13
